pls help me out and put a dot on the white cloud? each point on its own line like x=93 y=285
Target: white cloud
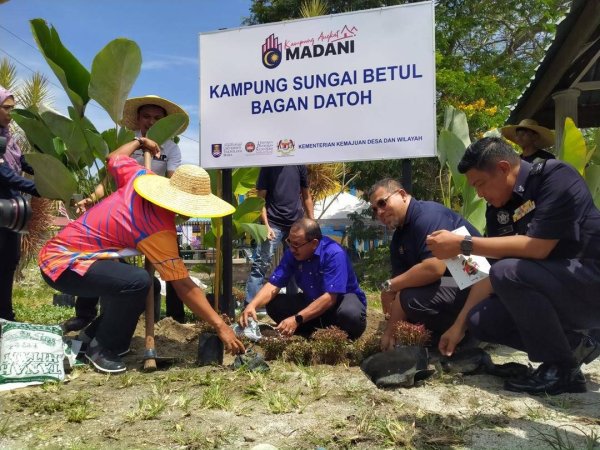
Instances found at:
x=160 y=62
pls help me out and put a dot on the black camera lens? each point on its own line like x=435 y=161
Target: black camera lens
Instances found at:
x=15 y=213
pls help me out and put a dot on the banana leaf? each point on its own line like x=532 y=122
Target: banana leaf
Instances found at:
x=243 y=179
x=52 y=179
x=38 y=134
x=114 y=71
x=574 y=150
x=453 y=148
x=71 y=134
x=71 y=74
x=166 y=128
x=592 y=178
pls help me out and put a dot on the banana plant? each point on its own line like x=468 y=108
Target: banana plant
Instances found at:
x=573 y=150
x=452 y=143
x=69 y=150
x=247 y=212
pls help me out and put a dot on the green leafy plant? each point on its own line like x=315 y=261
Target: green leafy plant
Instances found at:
x=69 y=151
x=574 y=151
x=452 y=143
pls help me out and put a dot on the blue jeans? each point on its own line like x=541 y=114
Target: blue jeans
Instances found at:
x=261 y=264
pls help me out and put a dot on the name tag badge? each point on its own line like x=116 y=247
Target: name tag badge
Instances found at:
x=523 y=210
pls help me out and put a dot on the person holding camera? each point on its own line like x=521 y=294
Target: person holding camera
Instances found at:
x=12 y=184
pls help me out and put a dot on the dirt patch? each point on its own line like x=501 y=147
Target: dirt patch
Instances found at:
x=290 y=407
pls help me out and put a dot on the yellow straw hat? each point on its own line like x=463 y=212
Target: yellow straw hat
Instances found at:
x=546 y=136
x=187 y=192
x=130 y=110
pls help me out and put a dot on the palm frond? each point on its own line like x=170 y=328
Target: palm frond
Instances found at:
x=325 y=179
x=8 y=74
x=313 y=8
x=34 y=92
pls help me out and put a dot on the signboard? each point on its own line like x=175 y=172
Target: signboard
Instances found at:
x=346 y=87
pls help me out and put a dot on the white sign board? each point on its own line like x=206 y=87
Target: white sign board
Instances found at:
x=347 y=87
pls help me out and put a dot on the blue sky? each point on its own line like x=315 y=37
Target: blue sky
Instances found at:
x=166 y=31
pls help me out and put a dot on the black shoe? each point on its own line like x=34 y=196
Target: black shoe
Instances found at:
x=549 y=379
x=84 y=347
x=105 y=360
x=75 y=324
x=587 y=350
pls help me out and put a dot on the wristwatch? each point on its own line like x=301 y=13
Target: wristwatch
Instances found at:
x=299 y=319
x=466 y=246
x=386 y=286
x=140 y=141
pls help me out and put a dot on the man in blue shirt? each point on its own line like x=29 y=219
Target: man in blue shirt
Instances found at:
x=421 y=289
x=543 y=290
x=287 y=199
x=330 y=292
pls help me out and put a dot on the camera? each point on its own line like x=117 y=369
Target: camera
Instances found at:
x=14 y=212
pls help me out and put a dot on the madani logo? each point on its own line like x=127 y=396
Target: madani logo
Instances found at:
x=327 y=43
x=271 y=52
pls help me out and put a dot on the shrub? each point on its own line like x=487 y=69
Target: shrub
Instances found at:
x=407 y=333
x=329 y=345
x=298 y=351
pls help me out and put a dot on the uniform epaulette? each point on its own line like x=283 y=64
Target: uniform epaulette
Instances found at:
x=537 y=167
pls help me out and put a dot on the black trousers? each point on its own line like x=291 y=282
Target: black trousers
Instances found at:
x=538 y=306
x=87 y=307
x=435 y=305
x=10 y=253
x=122 y=289
x=348 y=314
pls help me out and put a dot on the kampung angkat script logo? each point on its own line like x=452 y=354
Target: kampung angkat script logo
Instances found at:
x=271 y=52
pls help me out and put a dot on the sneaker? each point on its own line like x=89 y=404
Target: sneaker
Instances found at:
x=75 y=324
x=104 y=360
x=84 y=347
x=587 y=350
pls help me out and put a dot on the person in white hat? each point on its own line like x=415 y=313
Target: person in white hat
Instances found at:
x=532 y=138
x=138 y=218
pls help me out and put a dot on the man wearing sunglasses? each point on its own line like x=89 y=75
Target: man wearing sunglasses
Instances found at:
x=421 y=289
x=330 y=292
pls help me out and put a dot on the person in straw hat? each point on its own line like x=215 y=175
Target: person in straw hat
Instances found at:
x=139 y=217
x=532 y=138
x=139 y=114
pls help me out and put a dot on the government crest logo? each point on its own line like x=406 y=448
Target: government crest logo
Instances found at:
x=216 y=150
x=271 y=52
x=286 y=147
x=250 y=147
x=503 y=217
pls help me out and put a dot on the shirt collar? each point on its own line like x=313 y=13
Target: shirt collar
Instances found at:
x=413 y=207
x=521 y=181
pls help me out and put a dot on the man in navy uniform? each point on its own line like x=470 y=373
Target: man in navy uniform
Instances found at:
x=330 y=292
x=543 y=290
x=421 y=290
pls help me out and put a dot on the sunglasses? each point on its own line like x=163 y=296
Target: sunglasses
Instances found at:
x=381 y=203
x=295 y=246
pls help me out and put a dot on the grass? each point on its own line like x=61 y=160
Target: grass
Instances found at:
x=150 y=407
x=558 y=439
